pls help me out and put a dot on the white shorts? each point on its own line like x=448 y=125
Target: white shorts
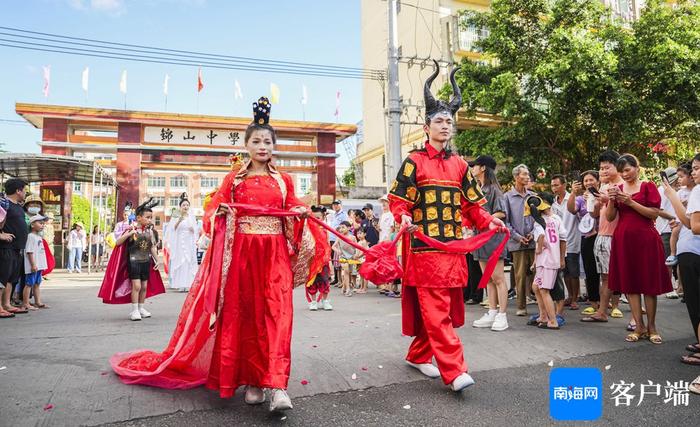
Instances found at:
x=601 y=250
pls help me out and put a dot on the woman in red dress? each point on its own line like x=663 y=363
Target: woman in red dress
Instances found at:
x=637 y=254
x=235 y=327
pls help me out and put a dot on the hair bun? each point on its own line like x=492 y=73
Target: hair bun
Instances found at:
x=261 y=111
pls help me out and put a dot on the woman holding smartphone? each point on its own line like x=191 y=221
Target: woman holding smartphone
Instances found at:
x=637 y=203
x=585 y=190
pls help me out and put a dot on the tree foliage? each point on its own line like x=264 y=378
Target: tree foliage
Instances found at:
x=569 y=80
x=80 y=212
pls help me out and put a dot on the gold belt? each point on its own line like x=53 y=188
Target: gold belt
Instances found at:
x=259 y=225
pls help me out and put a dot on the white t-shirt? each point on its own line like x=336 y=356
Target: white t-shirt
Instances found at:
x=386 y=221
x=570 y=222
x=662 y=224
x=35 y=246
x=76 y=239
x=550 y=257
x=687 y=241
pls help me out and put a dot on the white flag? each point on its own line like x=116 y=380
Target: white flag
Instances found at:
x=304 y=95
x=165 y=85
x=86 y=77
x=47 y=80
x=239 y=93
x=122 y=83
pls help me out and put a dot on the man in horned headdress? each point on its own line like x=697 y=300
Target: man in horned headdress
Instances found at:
x=435 y=192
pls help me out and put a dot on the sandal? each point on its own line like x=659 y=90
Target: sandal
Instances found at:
x=589 y=311
x=546 y=326
x=631 y=327
x=6 y=315
x=691 y=359
x=592 y=319
x=635 y=336
x=655 y=339
x=616 y=313
x=17 y=310
x=574 y=306
x=694 y=387
x=693 y=348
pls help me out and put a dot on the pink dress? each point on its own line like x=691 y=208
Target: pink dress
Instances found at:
x=637 y=254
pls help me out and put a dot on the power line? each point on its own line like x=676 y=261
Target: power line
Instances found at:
x=114 y=50
x=173 y=61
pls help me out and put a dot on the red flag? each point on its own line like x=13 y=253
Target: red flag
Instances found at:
x=200 y=83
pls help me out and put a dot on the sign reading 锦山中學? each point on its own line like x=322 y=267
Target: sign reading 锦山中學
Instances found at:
x=196 y=136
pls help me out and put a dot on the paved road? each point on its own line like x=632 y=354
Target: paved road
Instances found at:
x=59 y=357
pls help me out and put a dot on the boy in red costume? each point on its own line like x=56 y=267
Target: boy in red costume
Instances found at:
x=435 y=192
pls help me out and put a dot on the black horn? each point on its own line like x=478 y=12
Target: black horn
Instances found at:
x=456 y=101
x=430 y=103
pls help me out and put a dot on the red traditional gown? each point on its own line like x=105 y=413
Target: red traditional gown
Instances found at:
x=440 y=194
x=235 y=327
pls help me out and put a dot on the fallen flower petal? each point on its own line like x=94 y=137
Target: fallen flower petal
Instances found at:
x=304 y=382
x=48 y=407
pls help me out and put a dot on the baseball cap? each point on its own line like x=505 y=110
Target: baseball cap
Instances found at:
x=368 y=206
x=671 y=175
x=484 y=160
x=384 y=198
x=37 y=218
x=337 y=202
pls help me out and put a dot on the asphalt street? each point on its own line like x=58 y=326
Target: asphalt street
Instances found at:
x=347 y=367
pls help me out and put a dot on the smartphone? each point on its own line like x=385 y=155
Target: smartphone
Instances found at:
x=577 y=176
x=593 y=191
x=664 y=177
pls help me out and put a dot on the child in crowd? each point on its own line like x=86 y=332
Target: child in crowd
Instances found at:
x=360 y=257
x=549 y=235
x=141 y=242
x=346 y=254
x=35 y=263
x=317 y=291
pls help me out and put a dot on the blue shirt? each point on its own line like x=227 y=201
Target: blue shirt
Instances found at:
x=338 y=217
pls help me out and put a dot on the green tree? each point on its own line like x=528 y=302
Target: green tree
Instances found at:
x=569 y=81
x=80 y=208
x=348 y=178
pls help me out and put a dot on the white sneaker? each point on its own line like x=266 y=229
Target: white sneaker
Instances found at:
x=280 y=400
x=145 y=314
x=427 y=369
x=672 y=295
x=327 y=305
x=254 y=395
x=485 y=322
x=461 y=382
x=313 y=306
x=135 y=315
x=521 y=313
x=500 y=323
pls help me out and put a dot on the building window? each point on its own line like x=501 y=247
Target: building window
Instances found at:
x=160 y=200
x=156 y=182
x=157 y=220
x=78 y=187
x=174 y=202
x=178 y=182
x=208 y=182
x=468 y=36
x=304 y=185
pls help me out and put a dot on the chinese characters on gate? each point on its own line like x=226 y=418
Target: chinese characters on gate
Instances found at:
x=210 y=137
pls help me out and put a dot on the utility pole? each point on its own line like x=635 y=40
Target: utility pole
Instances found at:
x=393 y=148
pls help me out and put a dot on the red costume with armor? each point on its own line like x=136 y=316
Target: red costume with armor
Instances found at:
x=436 y=189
